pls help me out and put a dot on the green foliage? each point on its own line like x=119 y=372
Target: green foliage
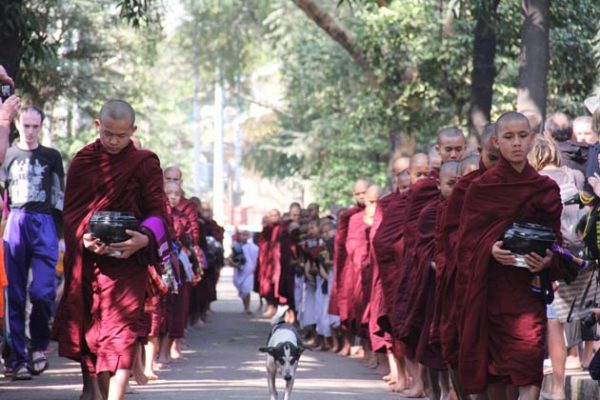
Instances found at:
x=337 y=125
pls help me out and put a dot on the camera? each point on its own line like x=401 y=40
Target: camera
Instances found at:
x=6 y=90
x=588 y=327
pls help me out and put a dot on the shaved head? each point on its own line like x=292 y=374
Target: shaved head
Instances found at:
x=117 y=110
x=359 y=190
x=400 y=175
x=419 y=167
x=511 y=117
x=434 y=158
x=449 y=172
x=513 y=138
x=373 y=192
x=489 y=153
x=451 y=144
x=274 y=216
x=400 y=164
x=469 y=164
x=447 y=133
x=173 y=174
x=361 y=184
x=449 y=167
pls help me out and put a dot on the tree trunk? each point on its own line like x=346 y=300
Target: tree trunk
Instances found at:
x=10 y=36
x=534 y=60
x=335 y=31
x=484 y=69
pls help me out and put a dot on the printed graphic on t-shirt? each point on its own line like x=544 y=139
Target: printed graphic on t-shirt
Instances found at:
x=27 y=181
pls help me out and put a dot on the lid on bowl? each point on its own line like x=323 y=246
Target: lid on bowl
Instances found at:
x=533 y=231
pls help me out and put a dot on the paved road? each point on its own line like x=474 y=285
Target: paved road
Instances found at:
x=222 y=362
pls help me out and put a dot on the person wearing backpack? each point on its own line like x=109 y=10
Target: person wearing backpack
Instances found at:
x=546 y=159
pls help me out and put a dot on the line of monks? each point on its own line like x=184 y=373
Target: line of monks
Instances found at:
x=198 y=243
x=145 y=290
x=420 y=276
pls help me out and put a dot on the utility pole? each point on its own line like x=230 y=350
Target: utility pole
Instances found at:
x=197 y=133
x=196 y=116
x=218 y=190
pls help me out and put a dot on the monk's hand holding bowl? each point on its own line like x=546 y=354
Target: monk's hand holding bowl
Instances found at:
x=95 y=245
x=538 y=263
x=125 y=249
x=503 y=256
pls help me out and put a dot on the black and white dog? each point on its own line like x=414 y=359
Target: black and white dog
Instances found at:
x=284 y=348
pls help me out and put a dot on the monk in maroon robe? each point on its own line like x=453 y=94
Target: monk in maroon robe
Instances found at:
x=192 y=292
x=451 y=145
x=98 y=320
x=502 y=331
x=206 y=290
x=444 y=327
x=416 y=327
x=266 y=282
x=358 y=192
x=388 y=246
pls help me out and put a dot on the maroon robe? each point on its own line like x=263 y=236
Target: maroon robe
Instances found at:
x=340 y=254
x=100 y=316
x=381 y=340
x=414 y=330
x=283 y=252
x=502 y=331
x=266 y=285
x=444 y=328
x=419 y=195
x=387 y=242
x=178 y=305
x=206 y=290
x=350 y=294
x=357 y=282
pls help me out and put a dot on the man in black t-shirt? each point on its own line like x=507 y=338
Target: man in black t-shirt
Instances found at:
x=33 y=177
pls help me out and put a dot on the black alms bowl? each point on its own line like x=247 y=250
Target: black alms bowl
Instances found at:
x=110 y=226
x=525 y=238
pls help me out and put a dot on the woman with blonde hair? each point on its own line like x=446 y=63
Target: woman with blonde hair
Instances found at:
x=546 y=159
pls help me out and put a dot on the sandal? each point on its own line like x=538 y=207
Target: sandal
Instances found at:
x=21 y=373
x=39 y=363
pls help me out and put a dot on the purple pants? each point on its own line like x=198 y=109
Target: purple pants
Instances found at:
x=30 y=243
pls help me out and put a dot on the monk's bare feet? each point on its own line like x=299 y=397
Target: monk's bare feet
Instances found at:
x=162 y=362
x=269 y=312
x=357 y=352
x=398 y=387
x=344 y=351
x=413 y=393
x=390 y=377
x=176 y=355
x=151 y=376
x=290 y=317
x=175 y=351
x=139 y=376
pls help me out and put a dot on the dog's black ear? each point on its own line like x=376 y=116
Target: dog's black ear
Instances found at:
x=264 y=349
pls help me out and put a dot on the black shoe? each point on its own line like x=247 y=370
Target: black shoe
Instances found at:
x=21 y=373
